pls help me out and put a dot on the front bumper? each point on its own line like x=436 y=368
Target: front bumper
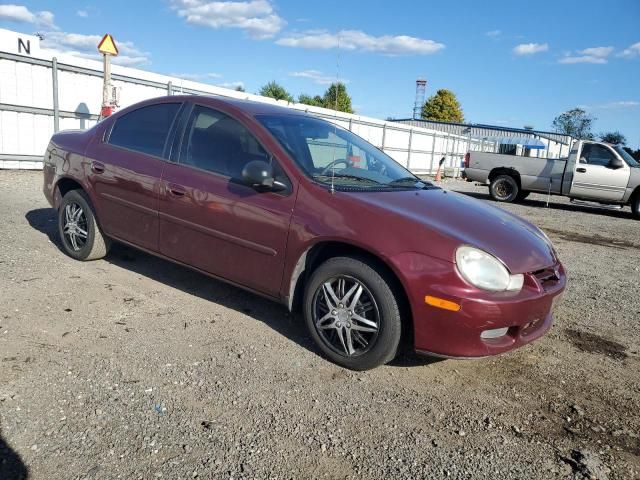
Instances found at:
x=527 y=314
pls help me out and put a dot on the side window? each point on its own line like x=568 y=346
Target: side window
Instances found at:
x=145 y=129
x=598 y=155
x=216 y=142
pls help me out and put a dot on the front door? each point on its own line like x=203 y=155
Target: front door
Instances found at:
x=594 y=178
x=126 y=168
x=209 y=219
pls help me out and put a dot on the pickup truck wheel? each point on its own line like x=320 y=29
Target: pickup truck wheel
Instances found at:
x=504 y=188
x=352 y=313
x=522 y=195
x=81 y=236
x=635 y=207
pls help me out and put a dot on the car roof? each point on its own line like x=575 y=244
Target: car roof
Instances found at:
x=246 y=106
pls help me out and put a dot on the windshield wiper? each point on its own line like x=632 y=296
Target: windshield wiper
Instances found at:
x=398 y=182
x=350 y=177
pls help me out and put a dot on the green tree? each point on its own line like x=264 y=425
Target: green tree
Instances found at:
x=443 y=107
x=635 y=154
x=274 y=90
x=576 y=123
x=309 y=100
x=337 y=98
x=615 y=138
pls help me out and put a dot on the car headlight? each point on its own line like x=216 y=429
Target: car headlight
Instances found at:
x=485 y=271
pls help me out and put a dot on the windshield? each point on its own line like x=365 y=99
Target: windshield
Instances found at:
x=632 y=162
x=332 y=155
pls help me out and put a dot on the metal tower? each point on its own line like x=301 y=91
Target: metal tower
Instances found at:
x=421 y=88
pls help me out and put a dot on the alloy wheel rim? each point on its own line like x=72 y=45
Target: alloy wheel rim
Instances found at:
x=346 y=316
x=75 y=228
x=503 y=189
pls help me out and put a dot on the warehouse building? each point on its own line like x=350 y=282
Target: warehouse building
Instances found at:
x=511 y=141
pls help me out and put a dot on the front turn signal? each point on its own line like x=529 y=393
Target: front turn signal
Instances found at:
x=441 y=303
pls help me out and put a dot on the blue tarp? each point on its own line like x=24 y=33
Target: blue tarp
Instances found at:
x=527 y=142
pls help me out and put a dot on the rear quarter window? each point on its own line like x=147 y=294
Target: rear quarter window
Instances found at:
x=144 y=130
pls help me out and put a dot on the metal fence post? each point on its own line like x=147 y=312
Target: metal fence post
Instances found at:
x=169 y=88
x=56 y=106
x=350 y=124
x=384 y=135
x=433 y=153
x=409 y=149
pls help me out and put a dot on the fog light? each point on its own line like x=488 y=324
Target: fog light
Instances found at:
x=494 y=333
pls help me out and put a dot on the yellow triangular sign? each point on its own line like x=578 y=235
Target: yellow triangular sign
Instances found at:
x=108 y=46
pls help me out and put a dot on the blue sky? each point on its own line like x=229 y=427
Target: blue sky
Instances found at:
x=509 y=62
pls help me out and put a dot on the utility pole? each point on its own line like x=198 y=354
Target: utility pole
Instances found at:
x=107 y=47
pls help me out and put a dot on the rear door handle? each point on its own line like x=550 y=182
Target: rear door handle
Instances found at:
x=176 y=190
x=97 y=167
x=581 y=170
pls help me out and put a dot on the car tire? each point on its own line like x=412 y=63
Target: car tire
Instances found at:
x=635 y=206
x=504 y=188
x=352 y=313
x=522 y=195
x=79 y=232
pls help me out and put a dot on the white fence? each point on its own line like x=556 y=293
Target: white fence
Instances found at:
x=40 y=95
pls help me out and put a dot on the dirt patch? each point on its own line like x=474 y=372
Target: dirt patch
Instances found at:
x=591 y=239
x=588 y=342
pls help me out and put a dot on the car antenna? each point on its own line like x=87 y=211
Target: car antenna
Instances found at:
x=335 y=128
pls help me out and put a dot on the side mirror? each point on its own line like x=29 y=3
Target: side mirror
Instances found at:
x=258 y=174
x=615 y=163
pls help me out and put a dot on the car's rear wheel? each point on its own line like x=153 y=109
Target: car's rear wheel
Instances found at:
x=522 y=195
x=352 y=313
x=504 y=188
x=81 y=236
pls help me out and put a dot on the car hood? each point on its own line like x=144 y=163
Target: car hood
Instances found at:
x=444 y=220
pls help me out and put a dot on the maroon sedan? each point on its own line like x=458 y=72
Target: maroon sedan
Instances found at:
x=308 y=214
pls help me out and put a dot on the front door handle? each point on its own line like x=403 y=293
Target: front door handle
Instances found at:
x=97 y=167
x=581 y=170
x=176 y=190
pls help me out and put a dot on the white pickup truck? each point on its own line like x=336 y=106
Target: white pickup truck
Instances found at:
x=593 y=172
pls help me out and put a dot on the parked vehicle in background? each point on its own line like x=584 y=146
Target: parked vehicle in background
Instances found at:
x=593 y=172
x=304 y=212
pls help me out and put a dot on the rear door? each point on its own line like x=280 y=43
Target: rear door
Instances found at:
x=126 y=167
x=595 y=178
x=209 y=219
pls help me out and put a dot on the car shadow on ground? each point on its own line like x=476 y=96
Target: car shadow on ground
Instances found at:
x=11 y=465
x=274 y=315
x=623 y=213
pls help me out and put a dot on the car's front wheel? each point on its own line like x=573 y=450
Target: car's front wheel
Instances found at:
x=635 y=207
x=352 y=313
x=81 y=236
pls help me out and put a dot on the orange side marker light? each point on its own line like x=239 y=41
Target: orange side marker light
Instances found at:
x=441 y=303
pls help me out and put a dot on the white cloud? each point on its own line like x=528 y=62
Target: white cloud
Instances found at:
x=621 y=104
x=530 y=48
x=317 y=77
x=257 y=17
x=582 y=59
x=596 y=55
x=232 y=85
x=358 y=40
x=86 y=46
x=494 y=33
x=21 y=14
x=631 y=52
x=82 y=13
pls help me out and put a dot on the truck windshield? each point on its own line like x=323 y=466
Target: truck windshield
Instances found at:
x=632 y=162
x=334 y=156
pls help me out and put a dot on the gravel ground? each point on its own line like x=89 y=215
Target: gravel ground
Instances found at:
x=132 y=367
